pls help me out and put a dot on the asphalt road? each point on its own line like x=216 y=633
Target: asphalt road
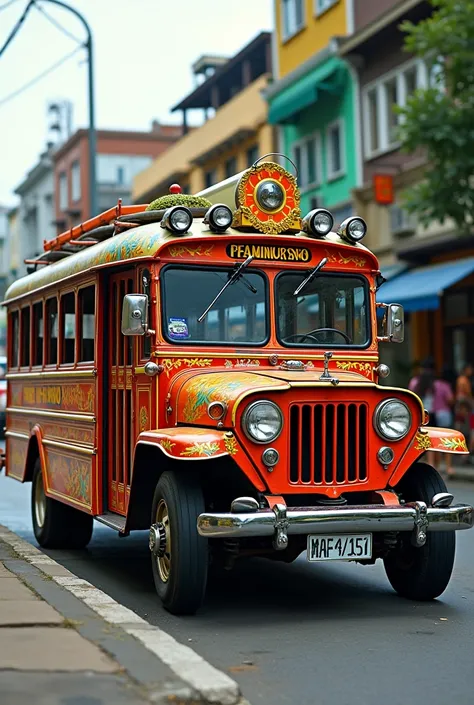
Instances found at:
x=300 y=634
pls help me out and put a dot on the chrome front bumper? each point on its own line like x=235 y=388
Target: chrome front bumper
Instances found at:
x=281 y=522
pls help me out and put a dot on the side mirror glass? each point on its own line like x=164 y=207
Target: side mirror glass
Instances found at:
x=395 y=323
x=135 y=314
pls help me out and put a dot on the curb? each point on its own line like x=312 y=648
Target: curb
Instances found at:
x=213 y=686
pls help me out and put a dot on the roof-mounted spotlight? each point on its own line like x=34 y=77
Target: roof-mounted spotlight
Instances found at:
x=318 y=222
x=219 y=217
x=353 y=229
x=177 y=219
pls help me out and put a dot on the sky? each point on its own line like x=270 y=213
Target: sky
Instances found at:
x=143 y=55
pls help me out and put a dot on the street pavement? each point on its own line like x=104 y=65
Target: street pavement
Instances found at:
x=301 y=634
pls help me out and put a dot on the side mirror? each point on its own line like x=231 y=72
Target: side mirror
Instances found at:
x=395 y=323
x=135 y=314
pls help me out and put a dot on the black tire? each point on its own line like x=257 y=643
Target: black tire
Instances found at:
x=182 y=585
x=56 y=525
x=421 y=573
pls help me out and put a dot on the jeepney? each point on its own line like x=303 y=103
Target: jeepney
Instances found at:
x=207 y=368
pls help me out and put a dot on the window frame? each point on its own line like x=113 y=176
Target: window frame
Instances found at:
x=61 y=329
x=330 y=174
x=210 y=344
x=306 y=185
x=47 y=336
x=378 y=86
x=26 y=307
x=344 y=275
x=34 y=325
x=12 y=350
x=76 y=181
x=79 y=324
x=213 y=172
x=62 y=179
x=285 y=32
x=327 y=5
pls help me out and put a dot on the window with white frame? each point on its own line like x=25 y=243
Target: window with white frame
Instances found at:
x=335 y=150
x=75 y=181
x=292 y=13
x=380 y=99
x=63 y=199
x=323 y=5
x=307 y=157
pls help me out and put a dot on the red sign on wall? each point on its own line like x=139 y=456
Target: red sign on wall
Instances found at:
x=383 y=189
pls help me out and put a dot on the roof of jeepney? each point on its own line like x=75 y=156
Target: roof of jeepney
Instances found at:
x=145 y=242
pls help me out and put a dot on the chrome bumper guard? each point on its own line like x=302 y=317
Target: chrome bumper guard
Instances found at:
x=281 y=521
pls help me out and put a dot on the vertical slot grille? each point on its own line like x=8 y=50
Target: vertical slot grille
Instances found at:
x=328 y=443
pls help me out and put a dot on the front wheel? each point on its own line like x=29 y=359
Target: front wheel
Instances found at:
x=179 y=554
x=421 y=573
x=57 y=525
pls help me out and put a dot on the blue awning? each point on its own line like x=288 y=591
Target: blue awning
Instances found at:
x=393 y=270
x=419 y=289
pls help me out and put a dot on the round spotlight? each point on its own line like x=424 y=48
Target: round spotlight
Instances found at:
x=270 y=457
x=385 y=455
x=318 y=222
x=216 y=410
x=270 y=195
x=219 y=217
x=353 y=229
x=177 y=219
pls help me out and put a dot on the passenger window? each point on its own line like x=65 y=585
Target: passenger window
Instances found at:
x=38 y=333
x=14 y=340
x=25 y=337
x=68 y=327
x=51 y=331
x=87 y=324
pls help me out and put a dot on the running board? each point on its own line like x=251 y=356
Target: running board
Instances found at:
x=114 y=521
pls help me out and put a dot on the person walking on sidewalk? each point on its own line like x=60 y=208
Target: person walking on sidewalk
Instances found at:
x=438 y=399
x=465 y=404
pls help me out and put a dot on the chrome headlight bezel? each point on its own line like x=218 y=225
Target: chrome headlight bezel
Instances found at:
x=245 y=426
x=377 y=419
x=260 y=197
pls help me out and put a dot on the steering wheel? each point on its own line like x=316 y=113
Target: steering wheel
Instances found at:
x=312 y=335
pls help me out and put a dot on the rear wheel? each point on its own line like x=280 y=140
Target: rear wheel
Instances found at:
x=56 y=525
x=179 y=554
x=421 y=573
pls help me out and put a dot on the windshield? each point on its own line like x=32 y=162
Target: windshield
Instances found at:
x=238 y=316
x=331 y=310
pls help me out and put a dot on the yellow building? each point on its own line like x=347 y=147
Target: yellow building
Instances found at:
x=229 y=141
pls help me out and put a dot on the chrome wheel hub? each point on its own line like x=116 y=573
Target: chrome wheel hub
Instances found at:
x=157 y=539
x=40 y=502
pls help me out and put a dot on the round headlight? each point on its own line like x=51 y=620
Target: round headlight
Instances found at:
x=392 y=419
x=219 y=217
x=178 y=219
x=318 y=222
x=270 y=195
x=353 y=229
x=262 y=421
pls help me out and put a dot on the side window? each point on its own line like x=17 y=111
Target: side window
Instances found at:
x=25 y=337
x=86 y=323
x=51 y=331
x=14 y=332
x=38 y=333
x=68 y=327
x=146 y=339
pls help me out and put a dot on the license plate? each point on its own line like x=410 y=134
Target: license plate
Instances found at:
x=333 y=547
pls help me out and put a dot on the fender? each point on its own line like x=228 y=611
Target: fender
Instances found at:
x=429 y=438
x=23 y=470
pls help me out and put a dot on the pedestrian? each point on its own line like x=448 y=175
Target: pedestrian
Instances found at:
x=465 y=404
x=464 y=390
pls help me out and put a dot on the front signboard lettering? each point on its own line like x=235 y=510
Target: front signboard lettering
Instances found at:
x=275 y=253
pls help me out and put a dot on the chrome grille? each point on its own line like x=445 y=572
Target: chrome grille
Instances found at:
x=328 y=443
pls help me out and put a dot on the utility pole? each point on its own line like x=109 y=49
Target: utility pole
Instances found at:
x=92 y=132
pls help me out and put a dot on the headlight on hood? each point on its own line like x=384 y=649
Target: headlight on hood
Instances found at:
x=262 y=421
x=392 y=419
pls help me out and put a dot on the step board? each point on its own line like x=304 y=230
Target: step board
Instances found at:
x=114 y=521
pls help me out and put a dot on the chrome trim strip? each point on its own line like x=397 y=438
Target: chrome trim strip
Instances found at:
x=14 y=434
x=63 y=374
x=69 y=446
x=314 y=520
x=53 y=414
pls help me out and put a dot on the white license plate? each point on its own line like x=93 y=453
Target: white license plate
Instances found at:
x=334 y=547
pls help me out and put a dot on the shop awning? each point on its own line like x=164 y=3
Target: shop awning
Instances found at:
x=393 y=270
x=304 y=92
x=419 y=289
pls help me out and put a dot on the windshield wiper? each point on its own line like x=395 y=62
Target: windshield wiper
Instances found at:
x=311 y=276
x=234 y=277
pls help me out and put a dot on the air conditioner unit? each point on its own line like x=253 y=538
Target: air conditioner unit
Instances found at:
x=402 y=223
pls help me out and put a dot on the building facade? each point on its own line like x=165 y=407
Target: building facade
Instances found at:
x=314 y=101
x=120 y=156
x=234 y=134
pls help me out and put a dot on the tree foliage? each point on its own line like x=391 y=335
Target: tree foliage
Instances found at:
x=440 y=118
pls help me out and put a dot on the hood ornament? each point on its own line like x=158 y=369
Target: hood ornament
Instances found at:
x=326 y=377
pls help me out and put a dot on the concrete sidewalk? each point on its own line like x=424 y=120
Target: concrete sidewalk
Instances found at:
x=54 y=649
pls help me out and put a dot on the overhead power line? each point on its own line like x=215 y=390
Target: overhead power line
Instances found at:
x=57 y=24
x=35 y=80
x=16 y=28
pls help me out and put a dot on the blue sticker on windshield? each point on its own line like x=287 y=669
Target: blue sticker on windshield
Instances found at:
x=178 y=328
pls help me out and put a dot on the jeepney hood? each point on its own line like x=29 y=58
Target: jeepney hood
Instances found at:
x=192 y=391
